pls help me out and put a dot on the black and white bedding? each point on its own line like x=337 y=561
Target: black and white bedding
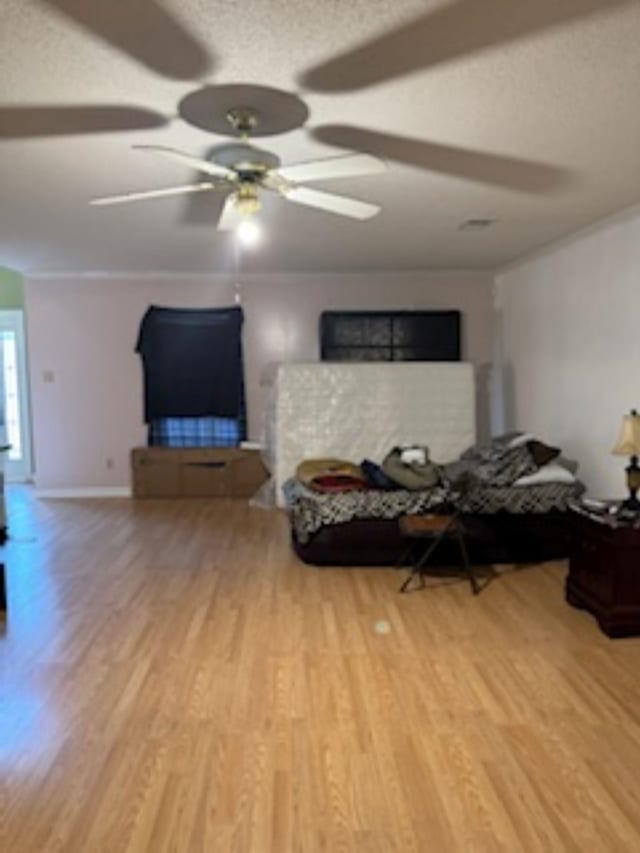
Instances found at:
x=502 y=477
x=310 y=510
x=538 y=499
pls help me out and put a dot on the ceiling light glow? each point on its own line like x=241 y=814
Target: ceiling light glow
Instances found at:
x=249 y=233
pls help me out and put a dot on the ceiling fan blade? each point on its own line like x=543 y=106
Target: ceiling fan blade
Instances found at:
x=510 y=172
x=230 y=217
x=456 y=29
x=332 y=203
x=144 y=30
x=202 y=209
x=141 y=196
x=349 y=166
x=187 y=160
x=32 y=121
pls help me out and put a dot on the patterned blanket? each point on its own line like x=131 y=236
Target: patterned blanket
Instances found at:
x=312 y=510
x=546 y=497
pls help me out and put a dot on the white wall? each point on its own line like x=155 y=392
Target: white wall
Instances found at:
x=86 y=380
x=569 y=322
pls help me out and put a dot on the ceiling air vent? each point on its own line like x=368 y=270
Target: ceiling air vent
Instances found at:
x=476 y=224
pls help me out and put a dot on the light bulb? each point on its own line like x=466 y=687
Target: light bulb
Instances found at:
x=248 y=232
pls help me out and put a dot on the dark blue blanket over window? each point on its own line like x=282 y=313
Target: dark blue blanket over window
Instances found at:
x=192 y=361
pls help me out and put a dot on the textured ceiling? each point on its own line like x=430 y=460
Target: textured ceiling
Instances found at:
x=564 y=98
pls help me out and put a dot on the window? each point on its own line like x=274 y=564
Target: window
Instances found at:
x=390 y=335
x=14 y=402
x=195 y=432
x=11 y=398
x=193 y=376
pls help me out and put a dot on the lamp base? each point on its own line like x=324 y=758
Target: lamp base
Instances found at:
x=631 y=503
x=633 y=484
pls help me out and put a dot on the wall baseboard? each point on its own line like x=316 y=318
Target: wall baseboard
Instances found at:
x=88 y=492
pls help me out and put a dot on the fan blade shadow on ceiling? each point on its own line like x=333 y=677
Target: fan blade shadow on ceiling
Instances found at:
x=458 y=29
x=509 y=172
x=35 y=121
x=144 y=30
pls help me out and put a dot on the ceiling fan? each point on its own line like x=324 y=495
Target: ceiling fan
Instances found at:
x=242 y=171
x=148 y=33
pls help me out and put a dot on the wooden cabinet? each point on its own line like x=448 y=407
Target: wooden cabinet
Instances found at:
x=604 y=573
x=162 y=472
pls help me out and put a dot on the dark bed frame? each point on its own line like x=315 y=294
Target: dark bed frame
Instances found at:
x=499 y=538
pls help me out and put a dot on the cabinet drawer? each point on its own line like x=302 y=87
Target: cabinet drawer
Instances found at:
x=205 y=479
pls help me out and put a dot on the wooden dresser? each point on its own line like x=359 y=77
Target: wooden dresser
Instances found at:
x=604 y=572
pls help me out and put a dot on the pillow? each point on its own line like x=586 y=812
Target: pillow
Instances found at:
x=569 y=464
x=520 y=439
x=541 y=453
x=547 y=474
x=506 y=439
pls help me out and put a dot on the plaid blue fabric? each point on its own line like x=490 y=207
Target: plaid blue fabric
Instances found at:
x=195 y=432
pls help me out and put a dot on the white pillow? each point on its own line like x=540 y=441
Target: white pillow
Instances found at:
x=520 y=440
x=551 y=473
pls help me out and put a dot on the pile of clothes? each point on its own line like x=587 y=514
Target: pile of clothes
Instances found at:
x=402 y=468
x=513 y=459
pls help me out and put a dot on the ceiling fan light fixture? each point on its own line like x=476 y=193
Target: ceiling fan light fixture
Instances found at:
x=247 y=206
x=249 y=233
x=246 y=200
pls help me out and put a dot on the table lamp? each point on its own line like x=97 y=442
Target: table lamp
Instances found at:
x=629 y=445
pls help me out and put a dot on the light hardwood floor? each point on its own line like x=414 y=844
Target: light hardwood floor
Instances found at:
x=173 y=679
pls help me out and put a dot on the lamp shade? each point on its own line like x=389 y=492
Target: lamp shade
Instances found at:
x=629 y=440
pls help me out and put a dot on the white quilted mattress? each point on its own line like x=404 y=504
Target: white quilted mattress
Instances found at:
x=357 y=411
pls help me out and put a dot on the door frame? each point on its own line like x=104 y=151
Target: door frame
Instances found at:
x=12 y=320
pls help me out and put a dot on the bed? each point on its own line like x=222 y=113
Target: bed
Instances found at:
x=356 y=411
x=504 y=524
